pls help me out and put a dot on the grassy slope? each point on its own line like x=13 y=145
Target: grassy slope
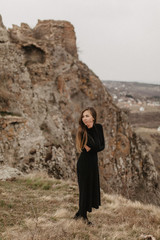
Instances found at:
x=40 y=208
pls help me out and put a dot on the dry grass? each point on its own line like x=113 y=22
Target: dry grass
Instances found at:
x=40 y=208
x=152 y=137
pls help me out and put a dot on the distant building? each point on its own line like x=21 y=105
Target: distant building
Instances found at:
x=141 y=109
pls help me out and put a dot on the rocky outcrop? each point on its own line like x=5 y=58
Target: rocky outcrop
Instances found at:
x=9 y=174
x=3 y=32
x=44 y=87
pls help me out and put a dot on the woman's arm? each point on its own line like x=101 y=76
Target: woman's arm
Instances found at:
x=102 y=141
x=99 y=145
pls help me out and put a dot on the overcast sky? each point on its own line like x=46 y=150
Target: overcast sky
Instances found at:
x=117 y=39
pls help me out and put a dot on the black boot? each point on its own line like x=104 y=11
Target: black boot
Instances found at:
x=76 y=216
x=87 y=221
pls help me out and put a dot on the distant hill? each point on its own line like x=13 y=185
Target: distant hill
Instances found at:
x=142 y=91
x=140 y=99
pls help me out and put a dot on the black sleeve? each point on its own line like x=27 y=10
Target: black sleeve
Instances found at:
x=101 y=139
x=98 y=145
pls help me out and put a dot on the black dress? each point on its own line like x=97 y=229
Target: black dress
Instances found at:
x=88 y=173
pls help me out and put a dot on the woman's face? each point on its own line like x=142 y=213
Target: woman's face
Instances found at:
x=87 y=118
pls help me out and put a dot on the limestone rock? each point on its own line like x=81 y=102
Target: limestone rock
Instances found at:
x=44 y=87
x=147 y=237
x=9 y=173
x=3 y=32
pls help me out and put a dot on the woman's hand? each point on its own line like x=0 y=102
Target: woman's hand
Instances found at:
x=87 y=148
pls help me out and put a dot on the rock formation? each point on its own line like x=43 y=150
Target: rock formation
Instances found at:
x=43 y=89
x=9 y=174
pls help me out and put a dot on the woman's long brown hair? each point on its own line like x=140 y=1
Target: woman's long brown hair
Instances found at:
x=81 y=136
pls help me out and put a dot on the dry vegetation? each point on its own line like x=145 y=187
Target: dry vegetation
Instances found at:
x=152 y=138
x=37 y=207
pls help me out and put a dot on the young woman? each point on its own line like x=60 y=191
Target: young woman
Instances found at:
x=89 y=141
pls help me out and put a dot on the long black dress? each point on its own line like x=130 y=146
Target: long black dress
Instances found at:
x=88 y=173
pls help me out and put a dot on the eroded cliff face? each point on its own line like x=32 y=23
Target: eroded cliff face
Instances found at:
x=44 y=87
